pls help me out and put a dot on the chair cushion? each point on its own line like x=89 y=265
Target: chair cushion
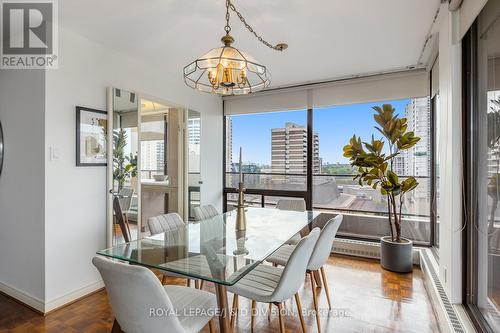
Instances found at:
x=259 y=284
x=188 y=302
x=281 y=255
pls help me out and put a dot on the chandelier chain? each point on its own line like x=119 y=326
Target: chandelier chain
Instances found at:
x=227 y=28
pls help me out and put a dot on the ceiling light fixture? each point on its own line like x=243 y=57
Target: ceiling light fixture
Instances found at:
x=226 y=70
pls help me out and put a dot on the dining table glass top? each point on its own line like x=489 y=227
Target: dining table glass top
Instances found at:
x=213 y=250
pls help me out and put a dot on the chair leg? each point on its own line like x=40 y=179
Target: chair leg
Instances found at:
x=234 y=311
x=197 y=284
x=201 y=284
x=211 y=326
x=252 y=315
x=269 y=310
x=299 y=308
x=325 y=283
x=188 y=282
x=315 y=300
x=282 y=320
x=163 y=279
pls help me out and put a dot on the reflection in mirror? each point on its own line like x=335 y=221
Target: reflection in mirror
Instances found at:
x=155 y=182
x=125 y=150
x=194 y=161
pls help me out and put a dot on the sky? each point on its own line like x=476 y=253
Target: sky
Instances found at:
x=334 y=125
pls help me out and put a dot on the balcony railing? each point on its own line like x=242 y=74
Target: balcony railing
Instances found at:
x=365 y=209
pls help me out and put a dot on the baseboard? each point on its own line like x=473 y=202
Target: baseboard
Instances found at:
x=73 y=296
x=451 y=317
x=22 y=297
x=42 y=307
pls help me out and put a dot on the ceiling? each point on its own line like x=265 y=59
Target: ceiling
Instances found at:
x=327 y=38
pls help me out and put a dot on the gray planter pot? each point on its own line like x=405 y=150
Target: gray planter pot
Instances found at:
x=396 y=257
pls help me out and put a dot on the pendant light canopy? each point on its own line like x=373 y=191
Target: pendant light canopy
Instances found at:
x=226 y=70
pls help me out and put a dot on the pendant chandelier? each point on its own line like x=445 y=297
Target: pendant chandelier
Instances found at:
x=226 y=70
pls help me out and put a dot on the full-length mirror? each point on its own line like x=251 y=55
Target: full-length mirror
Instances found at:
x=194 y=161
x=160 y=156
x=125 y=190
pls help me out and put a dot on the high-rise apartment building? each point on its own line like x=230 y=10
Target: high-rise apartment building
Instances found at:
x=417 y=160
x=289 y=150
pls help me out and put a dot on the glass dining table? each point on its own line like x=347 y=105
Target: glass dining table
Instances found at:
x=213 y=250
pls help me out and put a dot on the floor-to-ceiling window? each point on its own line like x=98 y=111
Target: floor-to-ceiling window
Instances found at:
x=276 y=161
x=274 y=156
x=365 y=208
x=482 y=166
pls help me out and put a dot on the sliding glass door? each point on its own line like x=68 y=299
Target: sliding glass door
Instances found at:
x=482 y=132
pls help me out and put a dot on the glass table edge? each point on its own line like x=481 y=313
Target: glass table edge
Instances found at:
x=190 y=276
x=316 y=213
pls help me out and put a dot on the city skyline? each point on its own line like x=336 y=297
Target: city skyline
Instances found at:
x=253 y=131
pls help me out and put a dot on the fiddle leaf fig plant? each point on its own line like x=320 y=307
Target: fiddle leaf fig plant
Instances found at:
x=375 y=164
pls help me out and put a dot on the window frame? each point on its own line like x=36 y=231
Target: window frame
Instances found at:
x=307 y=195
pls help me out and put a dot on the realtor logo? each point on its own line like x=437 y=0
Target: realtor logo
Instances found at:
x=29 y=34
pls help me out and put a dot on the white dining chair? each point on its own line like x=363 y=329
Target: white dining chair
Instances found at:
x=319 y=256
x=142 y=305
x=204 y=212
x=274 y=285
x=165 y=223
x=298 y=205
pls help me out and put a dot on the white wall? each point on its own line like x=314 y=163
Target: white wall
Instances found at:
x=76 y=196
x=22 y=95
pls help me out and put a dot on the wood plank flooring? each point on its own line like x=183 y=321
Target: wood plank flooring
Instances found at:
x=365 y=298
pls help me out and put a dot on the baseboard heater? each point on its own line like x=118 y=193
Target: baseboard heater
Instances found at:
x=364 y=249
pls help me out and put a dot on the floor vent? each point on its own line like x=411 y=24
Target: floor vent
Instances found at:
x=451 y=314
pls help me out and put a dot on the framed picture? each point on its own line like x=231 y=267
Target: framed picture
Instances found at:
x=91 y=137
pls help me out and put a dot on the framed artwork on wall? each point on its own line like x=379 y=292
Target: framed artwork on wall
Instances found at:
x=91 y=136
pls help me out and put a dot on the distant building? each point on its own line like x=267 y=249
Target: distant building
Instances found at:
x=416 y=161
x=194 y=130
x=289 y=150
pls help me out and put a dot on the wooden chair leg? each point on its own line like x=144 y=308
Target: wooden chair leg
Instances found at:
x=282 y=320
x=234 y=311
x=197 y=284
x=116 y=327
x=252 y=315
x=188 y=282
x=299 y=308
x=315 y=300
x=211 y=326
x=325 y=283
x=201 y=284
x=269 y=310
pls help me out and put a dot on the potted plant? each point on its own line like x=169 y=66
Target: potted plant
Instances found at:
x=124 y=167
x=375 y=168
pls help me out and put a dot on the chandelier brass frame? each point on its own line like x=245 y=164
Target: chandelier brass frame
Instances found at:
x=226 y=70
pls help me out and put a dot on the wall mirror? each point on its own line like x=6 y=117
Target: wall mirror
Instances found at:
x=146 y=163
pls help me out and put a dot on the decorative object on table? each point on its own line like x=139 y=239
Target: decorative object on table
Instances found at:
x=1 y=148
x=241 y=238
x=375 y=169
x=227 y=70
x=91 y=130
x=124 y=166
x=241 y=223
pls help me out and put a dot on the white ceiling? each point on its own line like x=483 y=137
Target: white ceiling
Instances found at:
x=327 y=38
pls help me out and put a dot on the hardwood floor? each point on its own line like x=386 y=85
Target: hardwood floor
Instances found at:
x=365 y=298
